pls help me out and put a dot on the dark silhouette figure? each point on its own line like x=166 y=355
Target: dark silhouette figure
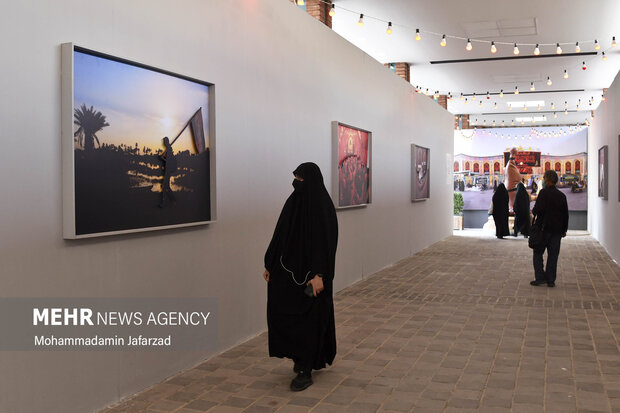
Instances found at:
x=301 y=254
x=170 y=167
x=500 y=211
x=522 y=211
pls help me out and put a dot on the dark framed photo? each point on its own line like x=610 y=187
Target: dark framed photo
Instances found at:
x=138 y=146
x=603 y=171
x=352 y=170
x=420 y=173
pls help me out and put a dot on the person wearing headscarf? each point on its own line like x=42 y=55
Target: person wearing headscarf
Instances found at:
x=500 y=211
x=513 y=177
x=522 y=211
x=299 y=270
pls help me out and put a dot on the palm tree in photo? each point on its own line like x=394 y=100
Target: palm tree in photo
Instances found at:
x=89 y=122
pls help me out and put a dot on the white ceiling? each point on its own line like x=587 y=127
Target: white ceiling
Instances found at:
x=508 y=21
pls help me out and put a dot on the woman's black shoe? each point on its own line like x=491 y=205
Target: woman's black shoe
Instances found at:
x=536 y=282
x=297 y=368
x=301 y=382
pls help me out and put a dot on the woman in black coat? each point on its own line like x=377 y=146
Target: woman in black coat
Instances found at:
x=299 y=269
x=522 y=211
x=500 y=211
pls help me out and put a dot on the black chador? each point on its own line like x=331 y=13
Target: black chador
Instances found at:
x=522 y=211
x=302 y=327
x=500 y=211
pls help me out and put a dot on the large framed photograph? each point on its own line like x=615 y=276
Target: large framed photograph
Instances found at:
x=420 y=176
x=352 y=166
x=603 y=159
x=138 y=146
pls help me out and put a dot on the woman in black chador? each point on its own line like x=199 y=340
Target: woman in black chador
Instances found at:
x=299 y=269
x=500 y=211
x=522 y=211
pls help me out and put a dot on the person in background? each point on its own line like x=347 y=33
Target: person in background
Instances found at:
x=552 y=210
x=522 y=211
x=513 y=177
x=500 y=211
x=299 y=270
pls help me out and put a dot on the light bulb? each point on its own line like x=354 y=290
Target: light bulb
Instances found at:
x=495 y=106
x=558 y=49
x=417 y=34
x=466 y=101
x=469 y=46
x=565 y=74
x=389 y=28
x=360 y=22
x=603 y=98
x=480 y=104
x=552 y=106
x=300 y=2
x=555 y=115
x=493 y=48
x=549 y=82
x=604 y=57
x=613 y=41
x=512 y=122
x=536 y=50
x=565 y=105
x=583 y=66
x=494 y=124
x=538 y=107
x=443 y=41
x=473 y=97
x=503 y=124
x=484 y=122
x=501 y=93
x=596 y=45
x=515 y=50
x=516 y=90
x=577 y=48
x=524 y=108
x=332 y=11
x=488 y=95
x=510 y=107
x=532 y=87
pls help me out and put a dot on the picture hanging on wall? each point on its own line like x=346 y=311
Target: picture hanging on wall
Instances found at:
x=420 y=177
x=138 y=146
x=352 y=170
x=603 y=157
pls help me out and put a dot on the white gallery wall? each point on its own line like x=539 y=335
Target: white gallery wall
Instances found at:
x=280 y=78
x=604 y=215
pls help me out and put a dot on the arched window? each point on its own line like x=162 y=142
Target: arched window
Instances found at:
x=547 y=166
x=486 y=168
x=476 y=167
x=456 y=166
x=467 y=166
x=496 y=167
x=558 y=167
x=577 y=166
x=567 y=167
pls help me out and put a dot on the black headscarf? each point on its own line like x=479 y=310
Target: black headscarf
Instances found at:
x=522 y=210
x=500 y=210
x=306 y=235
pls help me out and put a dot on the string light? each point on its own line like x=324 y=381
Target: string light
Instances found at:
x=538 y=107
x=493 y=124
x=495 y=106
x=503 y=124
x=510 y=107
x=613 y=41
x=515 y=51
x=469 y=46
x=565 y=105
x=583 y=66
x=596 y=45
x=480 y=104
x=524 y=108
x=532 y=87
x=512 y=122
x=332 y=11
x=360 y=22
x=516 y=90
x=604 y=57
x=555 y=115
x=461 y=98
x=417 y=34
x=493 y=48
x=565 y=74
x=558 y=49
x=300 y=2
x=389 y=28
x=501 y=93
x=443 y=41
x=473 y=96
x=488 y=95
x=549 y=82
x=466 y=101
x=552 y=106
x=577 y=48
x=536 y=50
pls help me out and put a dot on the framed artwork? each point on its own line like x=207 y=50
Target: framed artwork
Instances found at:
x=352 y=170
x=138 y=146
x=420 y=173
x=603 y=157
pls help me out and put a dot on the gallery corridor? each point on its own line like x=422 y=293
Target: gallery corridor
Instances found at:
x=454 y=328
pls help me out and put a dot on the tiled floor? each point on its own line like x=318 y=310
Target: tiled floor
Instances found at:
x=454 y=328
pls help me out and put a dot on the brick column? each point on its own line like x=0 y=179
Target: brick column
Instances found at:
x=319 y=10
x=464 y=121
x=443 y=101
x=400 y=68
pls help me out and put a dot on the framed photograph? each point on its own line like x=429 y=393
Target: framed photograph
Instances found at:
x=603 y=157
x=352 y=170
x=420 y=173
x=138 y=146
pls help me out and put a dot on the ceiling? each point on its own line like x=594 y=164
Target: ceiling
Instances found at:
x=525 y=22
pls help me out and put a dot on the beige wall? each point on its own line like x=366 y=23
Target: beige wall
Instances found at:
x=281 y=78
